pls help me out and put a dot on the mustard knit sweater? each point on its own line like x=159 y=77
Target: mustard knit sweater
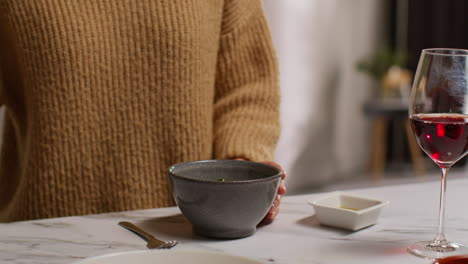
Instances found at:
x=102 y=96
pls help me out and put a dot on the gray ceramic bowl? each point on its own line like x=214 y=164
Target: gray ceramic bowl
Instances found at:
x=224 y=198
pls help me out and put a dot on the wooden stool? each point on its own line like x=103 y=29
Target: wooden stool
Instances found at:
x=382 y=113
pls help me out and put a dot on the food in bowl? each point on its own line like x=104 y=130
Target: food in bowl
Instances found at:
x=224 y=198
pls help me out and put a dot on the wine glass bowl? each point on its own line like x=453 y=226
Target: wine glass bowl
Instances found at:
x=443 y=137
x=438 y=114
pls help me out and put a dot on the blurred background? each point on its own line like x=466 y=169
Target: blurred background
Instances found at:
x=346 y=73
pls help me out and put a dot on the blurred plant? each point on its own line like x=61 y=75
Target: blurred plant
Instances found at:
x=379 y=63
x=388 y=68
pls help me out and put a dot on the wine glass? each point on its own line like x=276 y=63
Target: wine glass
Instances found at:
x=438 y=113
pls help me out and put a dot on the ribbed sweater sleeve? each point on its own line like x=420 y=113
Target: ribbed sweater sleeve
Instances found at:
x=246 y=114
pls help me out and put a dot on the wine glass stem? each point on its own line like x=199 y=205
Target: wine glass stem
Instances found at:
x=440 y=238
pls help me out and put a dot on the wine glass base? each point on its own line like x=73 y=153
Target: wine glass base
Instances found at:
x=426 y=249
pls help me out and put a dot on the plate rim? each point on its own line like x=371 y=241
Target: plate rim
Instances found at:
x=136 y=252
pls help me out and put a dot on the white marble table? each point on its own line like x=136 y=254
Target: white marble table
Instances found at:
x=295 y=237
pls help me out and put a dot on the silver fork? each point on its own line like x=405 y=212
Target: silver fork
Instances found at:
x=152 y=242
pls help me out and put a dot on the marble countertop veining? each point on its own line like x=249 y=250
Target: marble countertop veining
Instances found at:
x=295 y=237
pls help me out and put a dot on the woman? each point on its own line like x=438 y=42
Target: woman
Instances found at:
x=103 y=96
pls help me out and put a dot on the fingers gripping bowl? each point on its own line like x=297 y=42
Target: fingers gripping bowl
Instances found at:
x=224 y=198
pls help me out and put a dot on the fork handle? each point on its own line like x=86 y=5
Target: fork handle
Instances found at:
x=138 y=231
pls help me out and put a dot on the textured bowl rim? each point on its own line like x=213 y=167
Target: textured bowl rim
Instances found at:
x=269 y=178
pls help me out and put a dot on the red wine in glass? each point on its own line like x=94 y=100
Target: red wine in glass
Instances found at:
x=444 y=137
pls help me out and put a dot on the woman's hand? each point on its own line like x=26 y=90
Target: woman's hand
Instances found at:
x=274 y=210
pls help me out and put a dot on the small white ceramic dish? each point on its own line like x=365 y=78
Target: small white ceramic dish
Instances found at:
x=168 y=257
x=347 y=210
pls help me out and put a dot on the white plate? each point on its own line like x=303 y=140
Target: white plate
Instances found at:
x=168 y=257
x=347 y=210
